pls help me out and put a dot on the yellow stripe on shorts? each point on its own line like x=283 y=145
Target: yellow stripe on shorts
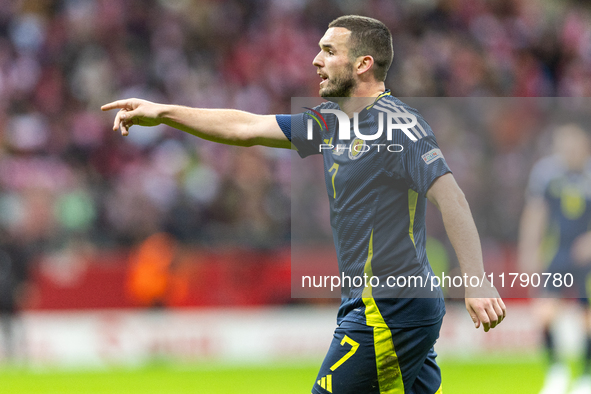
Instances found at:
x=389 y=375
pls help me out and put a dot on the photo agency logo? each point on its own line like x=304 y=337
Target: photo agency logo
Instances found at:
x=403 y=121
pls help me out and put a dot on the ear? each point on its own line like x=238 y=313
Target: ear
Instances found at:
x=363 y=64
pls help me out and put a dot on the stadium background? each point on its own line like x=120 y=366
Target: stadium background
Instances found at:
x=159 y=262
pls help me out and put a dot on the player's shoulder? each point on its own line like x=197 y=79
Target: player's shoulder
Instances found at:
x=324 y=105
x=401 y=112
x=545 y=172
x=548 y=168
x=394 y=104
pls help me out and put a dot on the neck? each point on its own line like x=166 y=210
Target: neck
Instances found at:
x=363 y=95
x=369 y=89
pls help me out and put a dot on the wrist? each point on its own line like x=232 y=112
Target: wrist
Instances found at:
x=164 y=113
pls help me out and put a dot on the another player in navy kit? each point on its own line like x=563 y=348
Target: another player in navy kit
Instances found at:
x=384 y=341
x=556 y=230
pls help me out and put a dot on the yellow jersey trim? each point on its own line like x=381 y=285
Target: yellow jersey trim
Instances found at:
x=413 y=197
x=377 y=98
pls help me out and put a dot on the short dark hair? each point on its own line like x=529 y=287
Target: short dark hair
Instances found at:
x=368 y=37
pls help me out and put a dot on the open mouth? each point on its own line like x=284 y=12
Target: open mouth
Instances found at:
x=324 y=78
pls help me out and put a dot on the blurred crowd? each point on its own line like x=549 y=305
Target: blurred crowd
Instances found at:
x=67 y=179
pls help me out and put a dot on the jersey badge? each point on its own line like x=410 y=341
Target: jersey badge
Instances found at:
x=432 y=155
x=357 y=148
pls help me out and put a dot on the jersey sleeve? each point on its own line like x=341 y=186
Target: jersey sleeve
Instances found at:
x=422 y=163
x=295 y=128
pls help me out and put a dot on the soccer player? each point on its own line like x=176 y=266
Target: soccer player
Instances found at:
x=555 y=228
x=377 y=199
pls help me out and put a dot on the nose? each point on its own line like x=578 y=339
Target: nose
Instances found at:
x=318 y=60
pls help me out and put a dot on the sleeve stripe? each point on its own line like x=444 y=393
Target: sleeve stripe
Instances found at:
x=387 y=104
x=391 y=110
x=415 y=132
x=284 y=122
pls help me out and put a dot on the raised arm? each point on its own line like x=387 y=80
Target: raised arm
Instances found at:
x=461 y=230
x=226 y=126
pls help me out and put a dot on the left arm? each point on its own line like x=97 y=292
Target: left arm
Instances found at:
x=447 y=196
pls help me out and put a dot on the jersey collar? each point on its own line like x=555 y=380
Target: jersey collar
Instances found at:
x=386 y=93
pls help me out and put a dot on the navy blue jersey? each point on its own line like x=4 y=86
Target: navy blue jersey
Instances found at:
x=376 y=190
x=568 y=197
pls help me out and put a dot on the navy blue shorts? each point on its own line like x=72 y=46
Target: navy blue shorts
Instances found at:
x=375 y=360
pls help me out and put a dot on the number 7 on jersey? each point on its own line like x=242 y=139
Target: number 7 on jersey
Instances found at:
x=334 y=167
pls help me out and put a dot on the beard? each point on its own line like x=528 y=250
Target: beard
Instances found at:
x=341 y=85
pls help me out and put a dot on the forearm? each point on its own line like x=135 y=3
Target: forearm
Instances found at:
x=225 y=126
x=463 y=234
x=482 y=302
x=447 y=196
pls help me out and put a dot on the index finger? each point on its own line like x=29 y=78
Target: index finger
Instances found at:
x=115 y=104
